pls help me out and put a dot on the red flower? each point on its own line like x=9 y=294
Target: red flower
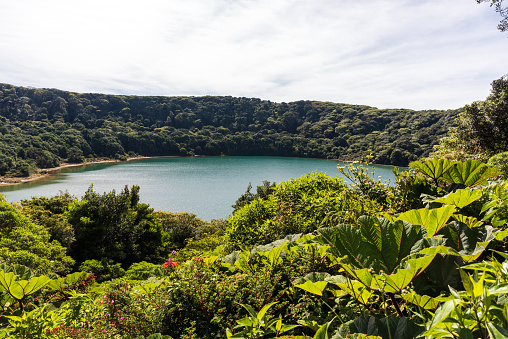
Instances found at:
x=170 y=264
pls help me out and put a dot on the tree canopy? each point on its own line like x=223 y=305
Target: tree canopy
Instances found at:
x=40 y=128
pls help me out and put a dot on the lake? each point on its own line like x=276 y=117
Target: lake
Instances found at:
x=205 y=186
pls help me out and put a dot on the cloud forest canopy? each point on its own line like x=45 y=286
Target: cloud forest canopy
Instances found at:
x=39 y=128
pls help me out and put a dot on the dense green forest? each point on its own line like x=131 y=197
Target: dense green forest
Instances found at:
x=40 y=128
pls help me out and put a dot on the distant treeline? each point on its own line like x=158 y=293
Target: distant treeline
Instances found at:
x=39 y=128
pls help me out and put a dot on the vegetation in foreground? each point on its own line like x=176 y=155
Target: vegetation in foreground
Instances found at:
x=308 y=258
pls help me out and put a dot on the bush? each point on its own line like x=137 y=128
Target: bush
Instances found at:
x=103 y=270
x=140 y=270
x=297 y=206
x=26 y=243
x=500 y=162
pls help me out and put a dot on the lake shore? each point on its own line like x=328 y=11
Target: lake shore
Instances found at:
x=44 y=174
x=47 y=172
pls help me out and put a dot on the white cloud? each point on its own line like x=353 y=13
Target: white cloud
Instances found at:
x=406 y=53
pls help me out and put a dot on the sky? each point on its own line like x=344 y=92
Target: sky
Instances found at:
x=431 y=54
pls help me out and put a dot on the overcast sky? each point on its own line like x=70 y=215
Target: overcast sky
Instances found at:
x=418 y=54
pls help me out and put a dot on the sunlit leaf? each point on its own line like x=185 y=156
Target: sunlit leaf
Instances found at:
x=460 y=198
x=377 y=244
x=313 y=287
x=471 y=222
x=434 y=168
x=470 y=173
x=433 y=220
x=423 y=301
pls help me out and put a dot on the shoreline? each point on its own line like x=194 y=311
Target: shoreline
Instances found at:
x=48 y=172
x=45 y=173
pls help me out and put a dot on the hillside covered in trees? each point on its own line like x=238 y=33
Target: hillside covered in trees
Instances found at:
x=40 y=128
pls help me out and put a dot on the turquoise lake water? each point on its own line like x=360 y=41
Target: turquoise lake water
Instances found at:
x=205 y=186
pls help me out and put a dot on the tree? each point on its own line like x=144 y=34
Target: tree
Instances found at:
x=50 y=213
x=297 y=206
x=262 y=192
x=485 y=123
x=26 y=243
x=181 y=227
x=502 y=10
x=115 y=226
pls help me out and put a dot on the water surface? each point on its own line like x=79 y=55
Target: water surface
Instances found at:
x=205 y=186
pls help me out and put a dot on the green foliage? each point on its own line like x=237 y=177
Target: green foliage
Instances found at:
x=380 y=277
x=115 y=227
x=103 y=270
x=43 y=127
x=433 y=219
x=183 y=227
x=26 y=243
x=435 y=169
x=481 y=129
x=364 y=182
x=375 y=243
x=500 y=162
x=50 y=213
x=140 y=270
x=469 y=173
x=262 y=192
x=259 y=324
x=297 y=206
x=15 y=288
x=387 y=328
x=502 y=10
x=480 y=311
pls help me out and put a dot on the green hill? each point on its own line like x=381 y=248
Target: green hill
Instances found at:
x=40 y=128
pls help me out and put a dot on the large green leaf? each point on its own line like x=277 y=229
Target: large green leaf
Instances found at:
x=466 y=242
x=423 y=301
x=361 y=291
x=23 y=272
x=399 y=328
x=471 y=222
x=8 y=283
x=470 y=173
x=274 y=255
x=313 y=287
x=460 y=198
x=433 y=220
x=68 y=281
x=377 y=244
x=322 y=332
x=441 y=314
x=396 y=282
x=313 y=276
x=19 y=289
x=33 y=285
x=434 y=168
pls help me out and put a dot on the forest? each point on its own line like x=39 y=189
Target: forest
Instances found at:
x=311 y=257
x=42 y=128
